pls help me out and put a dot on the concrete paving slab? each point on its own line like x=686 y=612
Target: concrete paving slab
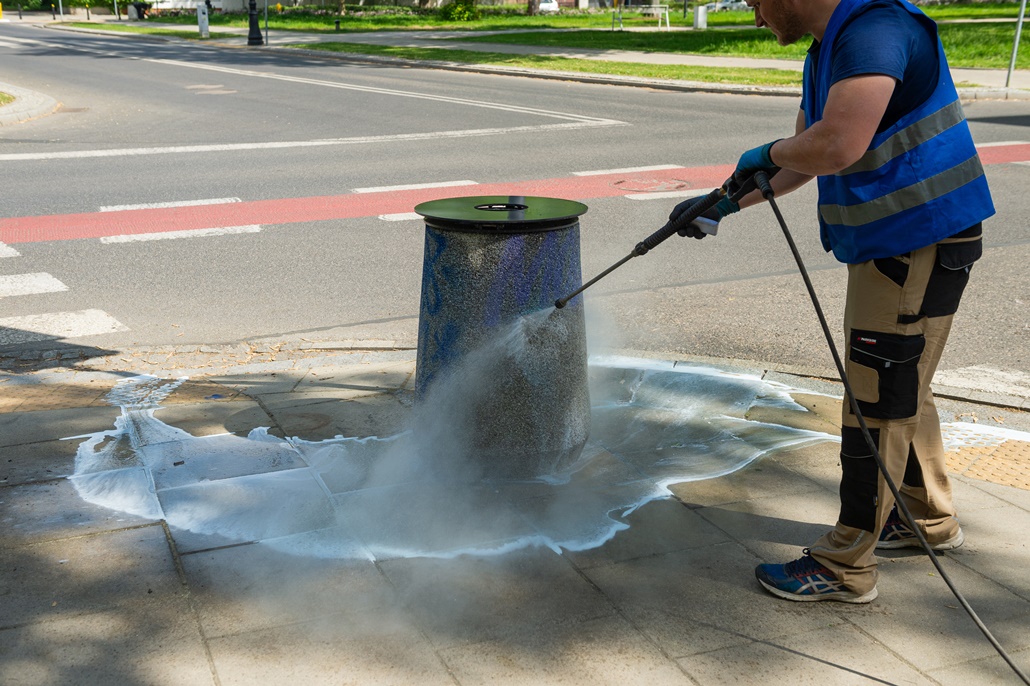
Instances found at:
x=659 y=527
x=765 y=478
x=382 y=648
x=608 y=650
x=237 y=415
x=345 y=383
x=154 y=644
x=992 y=671
x=37 y=462
x=130 y=567
x=919 y=618
x=20 y=428
x=316 y=419
x=247 y=588
x=696 y=601
x=50 y=510
x=1015 y=497
x=508 y=598
x=777 y=528
x=843 y=656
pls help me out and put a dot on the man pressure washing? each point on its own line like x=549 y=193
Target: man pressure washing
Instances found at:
x=902 y=195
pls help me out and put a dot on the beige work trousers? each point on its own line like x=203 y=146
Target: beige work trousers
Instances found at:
x=898 y=315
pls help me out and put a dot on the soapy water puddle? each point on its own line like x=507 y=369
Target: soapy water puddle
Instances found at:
x=654 y=424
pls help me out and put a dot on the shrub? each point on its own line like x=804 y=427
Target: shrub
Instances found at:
x=460 y=10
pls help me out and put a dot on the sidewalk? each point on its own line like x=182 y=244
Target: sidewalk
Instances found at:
x=95 y=595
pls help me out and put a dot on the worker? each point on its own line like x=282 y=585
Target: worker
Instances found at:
x=902 y=198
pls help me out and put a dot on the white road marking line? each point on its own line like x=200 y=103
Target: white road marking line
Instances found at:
x=179 y=203
x=189 y=233
x=29 y=284
x=661 y=195
x=628 y=170
x=413 y=186
x=358 y=140
x=573 y=121
x=400 y=217
x=8 y=251
x=6 y=44
x=1000 y=143
x=42 y=327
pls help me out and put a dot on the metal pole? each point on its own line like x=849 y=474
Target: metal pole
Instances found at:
x=60 y=8
x=1015 y=43
x=266 y=23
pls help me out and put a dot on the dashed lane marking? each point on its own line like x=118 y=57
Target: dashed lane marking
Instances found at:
x=55 y=325
x=400 y=216
x=8 y=251
x=189 y=233
x=29 y=284
x=628 y=170
x=179 y=203
x=661 y=195
x=414 y=186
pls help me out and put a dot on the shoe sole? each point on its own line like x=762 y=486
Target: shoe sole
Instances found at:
x=836 y=596
x=950 y=544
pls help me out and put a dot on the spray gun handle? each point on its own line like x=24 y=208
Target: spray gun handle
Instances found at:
x=764 y=187
x=673 y=226
x=738 y=185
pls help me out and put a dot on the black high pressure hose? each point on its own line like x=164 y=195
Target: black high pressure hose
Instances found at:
x=762 y=182
x=736 y=189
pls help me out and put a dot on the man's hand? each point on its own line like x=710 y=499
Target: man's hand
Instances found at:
x=756 y=159
x=708 y=222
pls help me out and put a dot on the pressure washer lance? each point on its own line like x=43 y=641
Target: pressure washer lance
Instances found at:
x=734 y=187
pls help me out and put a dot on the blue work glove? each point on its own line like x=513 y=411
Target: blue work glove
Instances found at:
x=755 y=159
x=706 y=223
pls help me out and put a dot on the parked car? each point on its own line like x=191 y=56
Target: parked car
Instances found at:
x=727 y=5
x=548 y=6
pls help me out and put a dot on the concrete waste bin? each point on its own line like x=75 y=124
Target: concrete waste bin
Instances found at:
x=496 y=362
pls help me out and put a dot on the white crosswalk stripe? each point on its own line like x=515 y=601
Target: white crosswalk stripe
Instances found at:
x=8 y=251
x=188 y=233
x=54 y=325
x=29 y=284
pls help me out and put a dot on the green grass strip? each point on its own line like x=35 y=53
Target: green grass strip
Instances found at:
x=751 y=77
x=6 y=99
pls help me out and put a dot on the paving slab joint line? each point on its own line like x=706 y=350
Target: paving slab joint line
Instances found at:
x=78 y=537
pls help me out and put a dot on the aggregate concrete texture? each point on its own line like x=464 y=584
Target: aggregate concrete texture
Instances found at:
x=90 y=595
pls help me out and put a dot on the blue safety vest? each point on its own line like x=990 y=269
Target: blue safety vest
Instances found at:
x=919 y=182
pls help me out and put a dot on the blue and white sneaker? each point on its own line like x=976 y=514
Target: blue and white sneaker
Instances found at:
x=897 y=534
x=807 y=580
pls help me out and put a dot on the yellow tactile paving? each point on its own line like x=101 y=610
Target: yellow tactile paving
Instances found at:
x=1007 y=464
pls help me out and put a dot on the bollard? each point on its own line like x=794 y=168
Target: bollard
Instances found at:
x=337 y=24
x=491 y=264
x=202 y=20
x=700 y=17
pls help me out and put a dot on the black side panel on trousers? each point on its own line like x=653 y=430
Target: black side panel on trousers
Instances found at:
x=913 y=472
x=950 y=275
x=894 y=357
x=859 y=479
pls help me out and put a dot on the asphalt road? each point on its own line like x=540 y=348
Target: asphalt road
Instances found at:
x=289 y=139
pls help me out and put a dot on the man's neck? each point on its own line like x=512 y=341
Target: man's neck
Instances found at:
x=817 y=16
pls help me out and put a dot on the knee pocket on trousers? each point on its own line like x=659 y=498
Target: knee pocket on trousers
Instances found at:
x=884 y=375
x=859 y=484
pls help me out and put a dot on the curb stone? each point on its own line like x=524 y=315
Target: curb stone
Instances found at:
x=28 y=104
